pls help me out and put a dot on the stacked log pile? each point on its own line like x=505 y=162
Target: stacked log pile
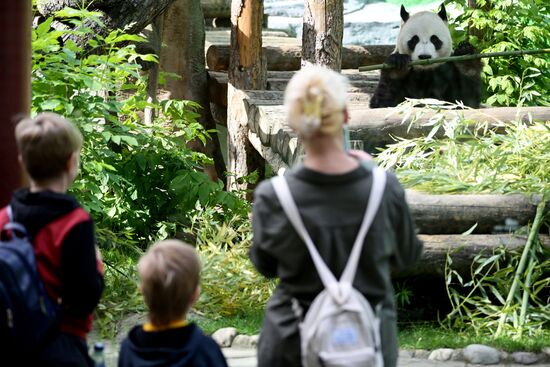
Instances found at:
x=440 y=219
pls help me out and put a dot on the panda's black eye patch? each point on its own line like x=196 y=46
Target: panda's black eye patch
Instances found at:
x=413 y=42
x=436 y=41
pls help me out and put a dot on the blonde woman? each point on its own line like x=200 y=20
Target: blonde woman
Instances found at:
x=331 y=189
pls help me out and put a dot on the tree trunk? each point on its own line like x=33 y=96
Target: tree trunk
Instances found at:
x=183 y=35
x=246 y=71
x=323 y=32
x=132 y=15
x=15 y=95
x=462 y=250
x=155 y=40
x=288 y=57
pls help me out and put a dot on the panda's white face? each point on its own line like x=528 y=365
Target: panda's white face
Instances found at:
x=424 y=35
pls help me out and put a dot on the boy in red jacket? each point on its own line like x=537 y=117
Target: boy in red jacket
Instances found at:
x=62 y=234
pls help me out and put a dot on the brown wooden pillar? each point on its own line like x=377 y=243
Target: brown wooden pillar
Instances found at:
x=183 y=38
x=323 y=33
x=246 y=71
x=15 y=82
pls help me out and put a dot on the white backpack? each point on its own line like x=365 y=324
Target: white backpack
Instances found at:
x=340 y=328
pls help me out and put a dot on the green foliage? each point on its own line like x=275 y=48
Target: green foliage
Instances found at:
x=247 y=324
x=432 y=336
x=508 y=25
x=233 y=286
x=403 y=294
x=480 y=302
x=460 y=155
x=138 y=180
x=506 y=293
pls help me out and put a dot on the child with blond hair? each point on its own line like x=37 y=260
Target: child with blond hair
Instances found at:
x=63 y=238
x=170 y=283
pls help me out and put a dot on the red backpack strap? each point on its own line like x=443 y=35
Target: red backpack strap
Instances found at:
x=3 y=216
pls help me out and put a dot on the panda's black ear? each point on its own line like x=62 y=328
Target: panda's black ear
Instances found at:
x=404 y=13
x=442 y=12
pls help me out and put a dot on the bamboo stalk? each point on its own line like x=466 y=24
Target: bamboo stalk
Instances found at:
x=525 y=299
x=458 y=58
x=537 y=222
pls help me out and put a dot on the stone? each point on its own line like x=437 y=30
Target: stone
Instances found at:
x=406 y=353
x=224 y=337
x=441 y=354
x=525 y=357
x=481 y=354
x=457 y=355
x=245 y=341
x=421 y=353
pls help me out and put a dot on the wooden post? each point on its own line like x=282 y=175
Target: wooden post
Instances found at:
x=155 y=39
x=246 y=71
x=15 y=78
x=322 y=33
x=183 y=35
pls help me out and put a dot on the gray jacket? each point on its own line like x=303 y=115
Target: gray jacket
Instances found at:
x=332 y=208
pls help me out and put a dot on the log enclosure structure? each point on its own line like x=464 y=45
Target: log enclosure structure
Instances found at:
x=440 y=218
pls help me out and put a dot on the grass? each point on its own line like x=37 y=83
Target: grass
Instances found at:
x=431 y=336
x=416 y=335
x=249 y=324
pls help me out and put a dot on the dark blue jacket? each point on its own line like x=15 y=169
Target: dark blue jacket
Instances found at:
x=181 y=347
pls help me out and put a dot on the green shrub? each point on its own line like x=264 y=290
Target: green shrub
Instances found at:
x=509 y=25
x=141 y=181
x=232 y=287
x=506 y=293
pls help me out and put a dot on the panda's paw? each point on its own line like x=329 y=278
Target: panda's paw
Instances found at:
x=465 y=48
x=399 y=61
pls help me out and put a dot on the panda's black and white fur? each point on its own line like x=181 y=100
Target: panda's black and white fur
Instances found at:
x=426 y=35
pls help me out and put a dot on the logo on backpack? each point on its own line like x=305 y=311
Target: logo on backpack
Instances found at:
x=27 y=313
x=340 y=329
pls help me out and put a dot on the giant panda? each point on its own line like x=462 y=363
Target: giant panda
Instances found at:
x=426 y=35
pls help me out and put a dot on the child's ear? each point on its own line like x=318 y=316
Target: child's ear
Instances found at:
x=70 y=162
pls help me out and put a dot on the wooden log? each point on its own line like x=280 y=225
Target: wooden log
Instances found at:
x=246 y=71
x=462 y=249
x=377 y=126
x=288 y=57
x=447 y=214
x=358 y=93
x=374 y=126
x=275 y=161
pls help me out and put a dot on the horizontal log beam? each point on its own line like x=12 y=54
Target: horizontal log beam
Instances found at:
x=376 y=126
x=455 y=214
x=463 y=250
x=361 y=86
x=288 y=57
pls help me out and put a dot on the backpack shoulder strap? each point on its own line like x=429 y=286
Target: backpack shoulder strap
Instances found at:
x=289 y=206
x=375 y=198
x=10 y=225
